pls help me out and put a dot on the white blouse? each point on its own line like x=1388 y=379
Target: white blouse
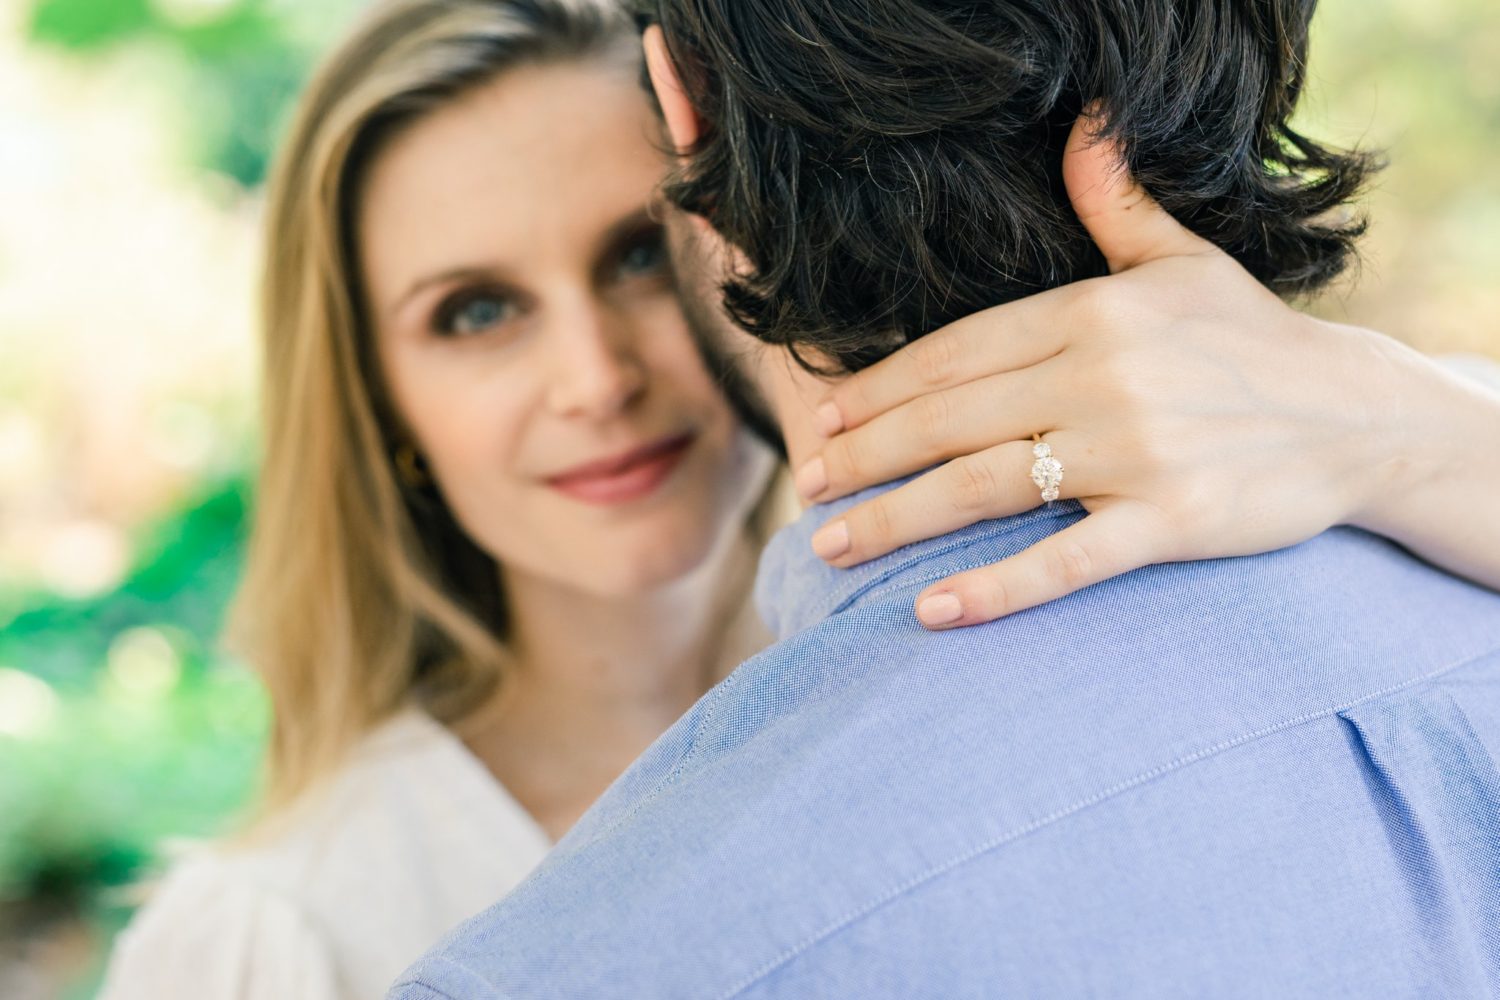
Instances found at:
x=412 y=837
x=1477 y=366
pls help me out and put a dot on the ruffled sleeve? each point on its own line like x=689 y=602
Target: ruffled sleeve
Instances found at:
x=210 y=933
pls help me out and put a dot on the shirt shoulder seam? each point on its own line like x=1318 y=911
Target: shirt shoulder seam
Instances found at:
x=420 y=979
x=844 y=597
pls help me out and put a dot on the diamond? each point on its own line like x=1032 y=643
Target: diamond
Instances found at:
x=1046 y=472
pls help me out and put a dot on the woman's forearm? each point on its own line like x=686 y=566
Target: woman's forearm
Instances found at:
x=1436 y=490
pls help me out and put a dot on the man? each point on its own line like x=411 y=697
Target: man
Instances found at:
x=1272 y=776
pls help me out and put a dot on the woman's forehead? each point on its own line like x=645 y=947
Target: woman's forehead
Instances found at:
x=541 y=163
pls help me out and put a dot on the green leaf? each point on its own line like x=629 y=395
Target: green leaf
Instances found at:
x=88 y=24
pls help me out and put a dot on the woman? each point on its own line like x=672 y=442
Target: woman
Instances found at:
x=506 y=526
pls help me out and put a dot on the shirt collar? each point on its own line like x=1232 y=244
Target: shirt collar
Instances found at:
x=795 y=590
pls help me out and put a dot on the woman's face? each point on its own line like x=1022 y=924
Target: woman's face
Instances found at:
x=530 y=337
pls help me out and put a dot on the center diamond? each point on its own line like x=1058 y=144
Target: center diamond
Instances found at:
x=1046 y=472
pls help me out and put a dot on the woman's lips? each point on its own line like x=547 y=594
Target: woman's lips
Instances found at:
x=626 y=477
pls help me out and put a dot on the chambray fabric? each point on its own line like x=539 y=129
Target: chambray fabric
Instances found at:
x=1272 y=776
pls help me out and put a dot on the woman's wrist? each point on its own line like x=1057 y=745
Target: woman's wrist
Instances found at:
x=1434 y=454
x=1409 y=444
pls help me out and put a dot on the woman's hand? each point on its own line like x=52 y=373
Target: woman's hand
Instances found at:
x=1195 y=413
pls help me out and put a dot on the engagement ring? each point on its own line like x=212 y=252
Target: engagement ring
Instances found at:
x=1046 y=472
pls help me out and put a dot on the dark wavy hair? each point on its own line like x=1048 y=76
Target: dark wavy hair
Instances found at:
x=889 y=166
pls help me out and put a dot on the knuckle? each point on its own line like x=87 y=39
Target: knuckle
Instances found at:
x=931 y=417
x=852 y=397
x=1114 y=315
x=873 y=529
x=1071 y=564
x=1094 y=306
x=985 y=596
x=974 y=486
x=932 y=359
x=843 y=458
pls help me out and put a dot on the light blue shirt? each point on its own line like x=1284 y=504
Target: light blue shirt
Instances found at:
x=1271 y=776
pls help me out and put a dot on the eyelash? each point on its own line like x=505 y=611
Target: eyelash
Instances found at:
x=653 y=239
x=451 y=308
x=448 y=312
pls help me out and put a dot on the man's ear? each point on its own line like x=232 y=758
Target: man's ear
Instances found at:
x=683 y=123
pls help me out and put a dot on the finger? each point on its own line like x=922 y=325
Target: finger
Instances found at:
x=1000 y=339
x=992 y=483
x=1114 y=539
x=933 y=428
x=1126 y=223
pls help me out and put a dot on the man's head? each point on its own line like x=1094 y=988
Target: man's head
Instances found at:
x=879 y=169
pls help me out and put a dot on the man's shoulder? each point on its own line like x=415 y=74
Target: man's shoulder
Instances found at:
x=1175 y=654
x=842 y=765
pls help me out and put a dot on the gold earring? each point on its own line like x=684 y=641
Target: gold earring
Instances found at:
x=411 y=469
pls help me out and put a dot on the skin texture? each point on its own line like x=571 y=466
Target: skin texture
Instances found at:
x=572 y=349
x=564 y=345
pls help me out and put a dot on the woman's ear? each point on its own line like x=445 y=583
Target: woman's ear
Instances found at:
x=683 y=123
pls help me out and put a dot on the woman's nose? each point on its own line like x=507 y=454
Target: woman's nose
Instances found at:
x=597 y=369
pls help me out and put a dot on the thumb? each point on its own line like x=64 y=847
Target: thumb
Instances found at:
x=1125 y=222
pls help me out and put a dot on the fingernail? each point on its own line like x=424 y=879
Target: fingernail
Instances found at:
x=812 y=479
x=940 y=609
x=831 y=540
x=828 y=420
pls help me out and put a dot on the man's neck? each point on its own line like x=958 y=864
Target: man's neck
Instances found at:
x=793 y=394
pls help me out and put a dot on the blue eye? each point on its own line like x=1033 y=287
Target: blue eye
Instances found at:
x=645 y=256
x=474 y=312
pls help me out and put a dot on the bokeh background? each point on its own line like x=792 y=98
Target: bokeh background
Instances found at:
x=134 y=140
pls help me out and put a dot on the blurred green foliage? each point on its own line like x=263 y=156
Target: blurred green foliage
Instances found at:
x=87 y=804
x=152 y=732
x=242 y=60
x=185 y=570
x=121 y=721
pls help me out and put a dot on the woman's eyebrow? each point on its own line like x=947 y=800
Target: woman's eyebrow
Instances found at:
x=619 y=231
x=625 y=228
x=468 y=272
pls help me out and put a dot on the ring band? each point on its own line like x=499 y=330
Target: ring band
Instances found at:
x=1046 y=471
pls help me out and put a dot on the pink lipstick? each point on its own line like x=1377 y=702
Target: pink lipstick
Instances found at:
x=625 y=477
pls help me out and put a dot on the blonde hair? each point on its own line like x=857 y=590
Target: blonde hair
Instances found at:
x=360 y=595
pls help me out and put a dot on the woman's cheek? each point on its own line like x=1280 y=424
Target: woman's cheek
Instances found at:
x=471 y=426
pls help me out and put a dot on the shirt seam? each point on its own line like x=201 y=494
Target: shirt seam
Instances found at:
x=921 y=580
x=710 y=706
x=840 y=600
x=425 y=987
x=971 y=855
x=471 y=979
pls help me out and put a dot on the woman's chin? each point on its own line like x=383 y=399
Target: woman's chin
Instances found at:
x=612 y=564
x=637 y=571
